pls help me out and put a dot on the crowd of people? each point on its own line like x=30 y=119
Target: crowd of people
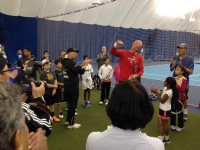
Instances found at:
x=62 y=85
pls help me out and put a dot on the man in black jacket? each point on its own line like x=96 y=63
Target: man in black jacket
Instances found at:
x=71 y=85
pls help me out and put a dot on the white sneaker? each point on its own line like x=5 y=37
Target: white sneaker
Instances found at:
x=74 y=126
x=173 y=127
x=106 y=102
x=161 y=138
x=101 y=103
x=76 y=113
x=66 y=123
x=179 y=129
x=60 y=116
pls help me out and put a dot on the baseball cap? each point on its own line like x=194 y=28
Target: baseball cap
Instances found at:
x=183 y=45
x=72 y=50
x=45 y=61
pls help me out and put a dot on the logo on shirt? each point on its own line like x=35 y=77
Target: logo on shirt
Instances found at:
x=50 y=76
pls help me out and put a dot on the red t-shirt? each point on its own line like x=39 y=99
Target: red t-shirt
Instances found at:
x=129 y=63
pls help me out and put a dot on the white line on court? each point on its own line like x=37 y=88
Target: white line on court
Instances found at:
x=155 y=75
x=195 y=75
x=155 y=65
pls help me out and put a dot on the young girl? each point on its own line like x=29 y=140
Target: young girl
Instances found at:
x=168 y=94
x=105 y=74
x=87 y=81
x=177 y=106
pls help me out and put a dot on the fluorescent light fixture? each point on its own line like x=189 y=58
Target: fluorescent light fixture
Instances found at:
x=192 y=19
x=176 y=8
x=96 y=2
x=182 y=17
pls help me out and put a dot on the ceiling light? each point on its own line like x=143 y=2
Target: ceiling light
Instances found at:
x=182 y=17
x=96 y=2
x=192 y=19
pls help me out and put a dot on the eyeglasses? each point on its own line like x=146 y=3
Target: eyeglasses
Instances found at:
x=11 y=69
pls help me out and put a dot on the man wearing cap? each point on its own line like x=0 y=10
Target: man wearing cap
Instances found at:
x=71 y=85
x=188 y=63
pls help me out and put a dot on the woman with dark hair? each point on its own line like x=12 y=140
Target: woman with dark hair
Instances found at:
x=129 y=110
x=46 y=56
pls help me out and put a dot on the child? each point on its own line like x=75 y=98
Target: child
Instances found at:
x=168 y=94
x=182 y=86
x=51 y=86
x=105 y=74
x=87 y=81
x=19 y=57
x=60 y=82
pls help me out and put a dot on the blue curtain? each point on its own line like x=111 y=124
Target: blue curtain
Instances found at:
x=39 y=34
x=17 y=33
x=157 y=44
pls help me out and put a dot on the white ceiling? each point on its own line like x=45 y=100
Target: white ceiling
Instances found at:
x=125 y=13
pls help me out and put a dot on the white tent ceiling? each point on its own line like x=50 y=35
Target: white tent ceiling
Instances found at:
x=126 y=13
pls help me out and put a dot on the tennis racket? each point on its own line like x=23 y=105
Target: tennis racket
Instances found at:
x=177 y=107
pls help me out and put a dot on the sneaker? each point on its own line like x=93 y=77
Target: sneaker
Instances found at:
x=161 y=138
x=66 y=123
x=76 y=113
x=86 y=104
x=166 y=141
x=173 y=128
x=89 y=103
x=60 y=115
x=74 y=126
x=66 y=109
x=101 y=103
x=106 y=101
x=55 y=119
x=179 y=129
x=185 y=117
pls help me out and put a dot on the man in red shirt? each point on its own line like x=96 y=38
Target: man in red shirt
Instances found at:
x=131 y=63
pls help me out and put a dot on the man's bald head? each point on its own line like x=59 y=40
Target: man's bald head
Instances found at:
x=136 y=46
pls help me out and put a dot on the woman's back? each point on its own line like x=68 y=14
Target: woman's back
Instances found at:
x=119 y=139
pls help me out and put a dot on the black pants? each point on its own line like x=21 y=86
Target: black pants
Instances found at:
x=176 y=107
x=105 y=90
x=71 y=95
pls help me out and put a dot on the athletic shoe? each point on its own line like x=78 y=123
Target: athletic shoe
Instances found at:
x=161 y=138
x=60 y=115
x=101 y=103
x=106 y=101
x=89 y=103
x=76 y=113
x=152 y=96
x=173 y=127
x=74 y=126
x=179 y=129
x=66 y=109
x=66 y=123
x=185 y=117
x=86 y=104
x=55 y=119
x=166 y=141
